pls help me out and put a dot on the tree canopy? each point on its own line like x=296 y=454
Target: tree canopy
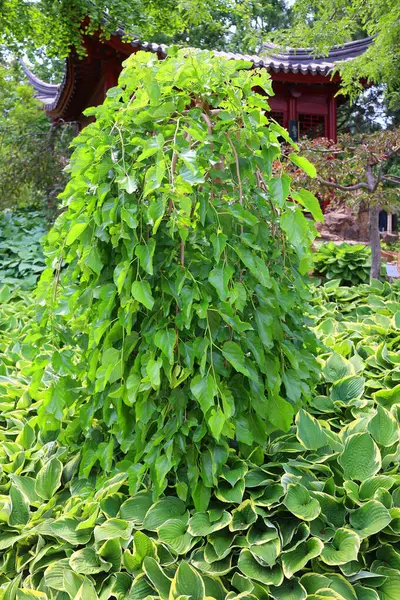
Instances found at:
x=204 y=23
x=32 y=152
x=320 y=25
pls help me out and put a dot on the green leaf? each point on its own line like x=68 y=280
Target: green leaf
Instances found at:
x=165 y=339
x=383 y=427
x=140 y=589
x=10 y=591
x=295 y=225
x=154 y=177
x=234 y=354
x=154 y=572
x=390 y=589
x=145 y=253
x=279 y=188
x=174 y=533
x=280 y=412
x=153 y=369
x=337 y=367
x=143 y=546
x=388 y=398
x=111 y=529
x=27 y=486
x=76 y=230
x=294 y=560
x=204 y=390
x=19 y=515
x=218 y=241
x=371 y=485
x=161 y=511
x=87 y=562
x=360 y=458
x=128 y=183
x=309 y=431
x=310 y=203
x=187 y=582
x=304 y=164
x=289 y=590
x=26 y=594
x=219 y=278
x=135 y=509
x=347 y=389
x=343 y=548
x=59 y=576
x=243 y=516
x=141 y=291
x=299 y=502
x=267 y=553
x=48 y=479
x=370 y=518
x=216 y=422
x=248 y=565
x=200 y=524
x=231 y=494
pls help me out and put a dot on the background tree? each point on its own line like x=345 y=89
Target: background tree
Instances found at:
x=204 y=23
x=359 y=169
x=33 y=152
x=322 y=24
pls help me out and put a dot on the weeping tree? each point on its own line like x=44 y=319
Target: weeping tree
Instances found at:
x=178 y=267
x=358 y=169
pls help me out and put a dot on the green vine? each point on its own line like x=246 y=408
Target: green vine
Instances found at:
x=179 y=265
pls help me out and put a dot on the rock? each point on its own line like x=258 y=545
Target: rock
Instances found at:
x=339 y=223
x=389 y=238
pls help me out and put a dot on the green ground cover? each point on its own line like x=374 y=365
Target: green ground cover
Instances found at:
x=177 y=421
x=21 y=253
x=316 y=516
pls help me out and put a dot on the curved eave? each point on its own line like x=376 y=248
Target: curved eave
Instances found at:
x=300 y=61
x=303 y=61
x=47 y=93
x=60 y=102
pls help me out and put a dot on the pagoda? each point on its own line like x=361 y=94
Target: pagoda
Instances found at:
x=305 y=87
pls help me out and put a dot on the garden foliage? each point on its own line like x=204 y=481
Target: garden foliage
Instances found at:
x=314 y=517
x=350 y=264
x=146 y=409
x=21 y=253
x=177 y=268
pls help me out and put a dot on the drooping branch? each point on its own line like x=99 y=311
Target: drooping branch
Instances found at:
x=391 y=179
x=344 y=188
x=237 y=168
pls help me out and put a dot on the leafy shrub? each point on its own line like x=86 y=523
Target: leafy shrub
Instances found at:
x=148 y=447
x=314 y=517
x=21 y=254
x=349 y=263
x=391 y=246
x=181 y=275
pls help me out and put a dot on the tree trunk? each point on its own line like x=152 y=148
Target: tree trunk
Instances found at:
x=375 y=241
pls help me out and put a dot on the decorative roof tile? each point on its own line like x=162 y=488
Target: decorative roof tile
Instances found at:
x=292 y=61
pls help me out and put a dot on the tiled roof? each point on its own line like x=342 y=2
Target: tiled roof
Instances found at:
x=302 y=60
x=292 y=61
x=47 y=93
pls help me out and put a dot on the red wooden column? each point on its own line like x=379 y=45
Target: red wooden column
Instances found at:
x=293 y=110
x=332 y=120
x=111 y=69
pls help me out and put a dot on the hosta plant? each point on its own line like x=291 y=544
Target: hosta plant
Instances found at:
x=21 y=253
x=313 y=517
x=348 y=263
x=177 y=268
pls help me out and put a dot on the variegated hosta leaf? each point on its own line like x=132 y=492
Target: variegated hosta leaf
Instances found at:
x=315 y=515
